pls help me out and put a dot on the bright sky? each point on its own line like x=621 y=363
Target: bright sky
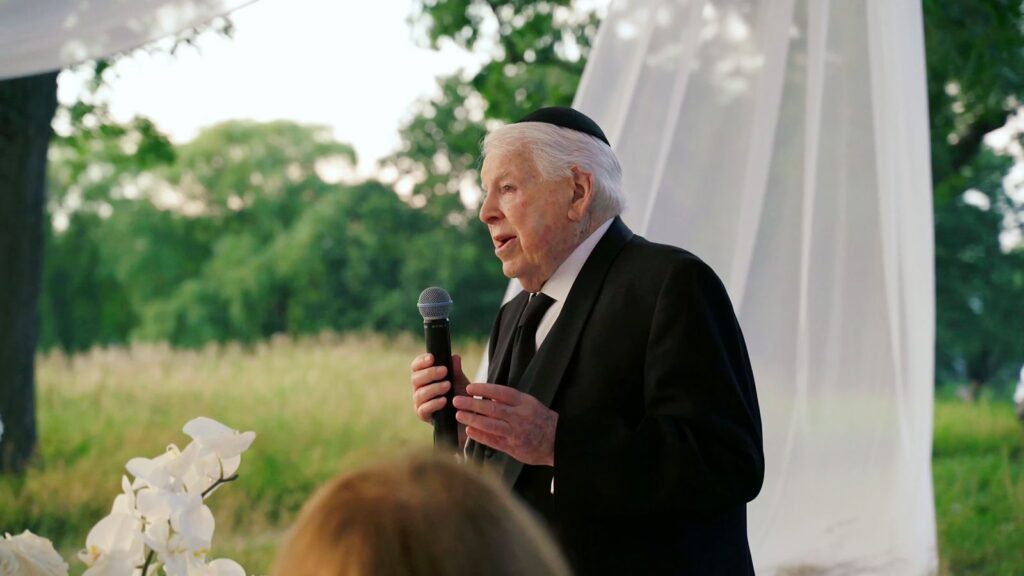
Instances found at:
x=350 y=65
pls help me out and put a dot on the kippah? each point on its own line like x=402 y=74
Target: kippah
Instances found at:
x=566 y=118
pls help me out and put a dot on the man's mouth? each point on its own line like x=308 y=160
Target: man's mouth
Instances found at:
x=502 y=240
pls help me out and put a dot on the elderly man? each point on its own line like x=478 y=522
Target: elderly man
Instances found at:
x=620 y=402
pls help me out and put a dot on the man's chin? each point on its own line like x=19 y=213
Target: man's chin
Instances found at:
x=509 y=270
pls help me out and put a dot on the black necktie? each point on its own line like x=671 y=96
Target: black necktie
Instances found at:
x=524 y=346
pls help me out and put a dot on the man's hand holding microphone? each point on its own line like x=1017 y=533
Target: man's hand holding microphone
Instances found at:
x=492 y=414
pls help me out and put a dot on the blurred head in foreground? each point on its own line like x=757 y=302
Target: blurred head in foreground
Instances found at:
x=417 y=517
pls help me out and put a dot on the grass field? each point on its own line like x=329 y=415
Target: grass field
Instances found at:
x=326 y=405
x=978 y=473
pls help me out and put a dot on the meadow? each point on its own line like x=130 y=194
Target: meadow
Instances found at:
x=324 y=405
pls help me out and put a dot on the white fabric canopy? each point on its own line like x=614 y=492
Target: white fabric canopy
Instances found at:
x=786 y=143
x=43 y=35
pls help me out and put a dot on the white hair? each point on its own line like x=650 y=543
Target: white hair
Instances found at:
x=556 y=150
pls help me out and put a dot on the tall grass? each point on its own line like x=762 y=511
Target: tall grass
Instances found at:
x=322 y=406
x=319 y=407
x=978 y=472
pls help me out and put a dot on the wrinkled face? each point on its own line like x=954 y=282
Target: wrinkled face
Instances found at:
x=532 y=221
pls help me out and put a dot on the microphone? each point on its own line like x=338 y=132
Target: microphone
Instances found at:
x=434 y=305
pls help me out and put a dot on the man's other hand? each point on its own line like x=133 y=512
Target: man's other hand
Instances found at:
x=509 y=421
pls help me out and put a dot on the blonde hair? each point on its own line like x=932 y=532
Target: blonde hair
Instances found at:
x=420 y=516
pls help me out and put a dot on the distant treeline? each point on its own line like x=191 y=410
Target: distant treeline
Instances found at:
x=236 y=236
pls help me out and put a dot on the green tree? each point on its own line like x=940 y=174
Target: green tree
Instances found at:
x=974 y=51
x=94 y=162
x=236 y=188
x=256 y=176
x=980 y=288
x=537 y=54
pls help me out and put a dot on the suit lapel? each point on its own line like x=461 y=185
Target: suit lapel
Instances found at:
x=546 y=370
x=499 y=363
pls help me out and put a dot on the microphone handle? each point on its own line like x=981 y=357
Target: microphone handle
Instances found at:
x=439 y=345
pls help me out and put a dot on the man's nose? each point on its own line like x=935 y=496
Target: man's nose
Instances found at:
x=489 y=210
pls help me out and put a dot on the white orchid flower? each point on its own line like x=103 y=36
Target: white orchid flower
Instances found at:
x=178 y=564
x=119 y=534
x=216 y=438
x=160 y=515
x=29 y=555
x=224 y=567
x=154 y=503
x=115 y=564
x=198 y=469
x=193 y=523
x=155 y=472
x=124 y=503
x=218 y=452
x=176 y=522
x=8 y=560
x=155 y=506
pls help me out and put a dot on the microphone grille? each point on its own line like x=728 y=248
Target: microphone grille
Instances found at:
x=434 y=303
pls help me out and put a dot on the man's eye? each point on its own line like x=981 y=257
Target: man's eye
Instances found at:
x=507 y=188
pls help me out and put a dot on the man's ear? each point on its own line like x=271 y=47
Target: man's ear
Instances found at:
x=582 y=193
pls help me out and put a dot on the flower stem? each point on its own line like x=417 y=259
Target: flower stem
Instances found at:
x=149 y=559
x=231 y=478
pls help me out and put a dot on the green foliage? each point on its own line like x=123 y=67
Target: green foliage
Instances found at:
x=237 y=237
x=257 y=177
x=980 y=288
x=83 y=303
x=973 y=52
x=538 y=49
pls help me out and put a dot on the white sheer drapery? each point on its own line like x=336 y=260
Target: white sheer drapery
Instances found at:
x=786 y=143
x=43 y=35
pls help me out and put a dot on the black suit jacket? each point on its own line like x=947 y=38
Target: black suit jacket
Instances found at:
x=658 y=446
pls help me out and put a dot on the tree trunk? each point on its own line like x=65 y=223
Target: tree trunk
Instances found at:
x=27 y=106
x=974 y=390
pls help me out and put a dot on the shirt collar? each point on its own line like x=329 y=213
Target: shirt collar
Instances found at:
x=561 y=281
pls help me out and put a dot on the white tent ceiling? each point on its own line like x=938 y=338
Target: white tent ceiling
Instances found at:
x=42 y=35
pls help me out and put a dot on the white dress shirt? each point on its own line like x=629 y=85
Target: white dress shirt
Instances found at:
x=558 y=286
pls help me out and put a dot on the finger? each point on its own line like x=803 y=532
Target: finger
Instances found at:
x=430 y=391
x=458 y=375
x=485 y=407
x=422 y=361
x=427 y=409
x=485 y=423
x=491 y=440
x=428 y=376
x=498 y=392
